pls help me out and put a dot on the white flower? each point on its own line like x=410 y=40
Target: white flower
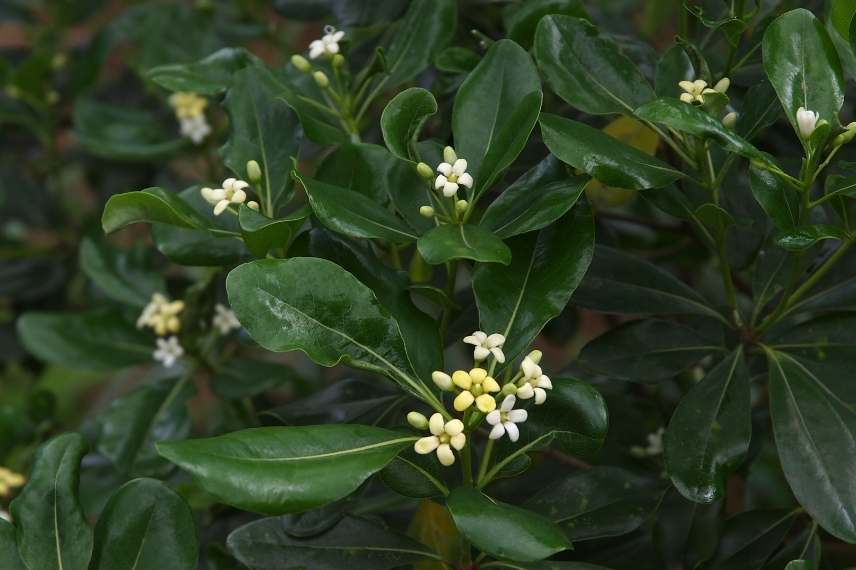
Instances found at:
x=195 y=128
x=232 y=192
x=5 y=516
x=504 y=419
x=225 y=319
x=486 y=345
x=534 y=382
x=328 y=45
x=161 y=315
x=445 y=436
x=453 y=173
x=694 y=90
x=475 y=386
x=168 y=351
x=807 y=121
x=655 y=442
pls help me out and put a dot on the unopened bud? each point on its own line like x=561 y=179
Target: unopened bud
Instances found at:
x=442 y=380
x=461 y=206
x=301 y=63
x=730 y=119
x=535 y=356
x=254 y=172
x=338 y=60
x=253 y=205
x=509 y=389
x=424 y=171
x=321 y=79
x=449 y=155
x=722 y=85
x=417 y=420
x=426 y=212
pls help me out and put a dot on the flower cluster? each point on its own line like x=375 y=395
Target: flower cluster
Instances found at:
x=445 y=435
x=694 y=91
x=231 y=193
x=10 y=480
x=453 y=174
x=161 y=315
x=224 y=319
x=328 y=45
x=190 y=111
x=168 y=351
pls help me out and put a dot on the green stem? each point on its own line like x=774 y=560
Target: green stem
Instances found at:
x=485 y=461
x=675 y=147
x=451 y=279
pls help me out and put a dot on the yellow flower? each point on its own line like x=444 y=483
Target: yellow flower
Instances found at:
x=161 y=314
x=187 y=105
x=10 y=480
x=475 y=386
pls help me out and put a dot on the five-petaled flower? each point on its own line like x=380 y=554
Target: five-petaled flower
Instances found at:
x=328 y=45
x=694 y=91
x=504 y=419
x=453 y=173
x=534 y=382
x=161 y=315
x=475 y=386
x=168 y=351
x=232 y=192
x=485 y=345
x=807 y=121
x=444 y=436
x=225 y=319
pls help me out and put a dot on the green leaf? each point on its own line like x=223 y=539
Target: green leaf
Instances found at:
x=495 y=111
x=303 y=94
x=315 y=306
x=816 y=438
x=646 y=350
x=210 y=75
x=145 y=526
x=427 y=26
x=353 y=542
x=605 y=158
x=586 y=70
x=690 y=119
x=534 y=201
x=263 y=128
x=673 y=67
x=522 y=19
x=354 y=214
x=129 y=429
x=403 y=117
x=779 y=201
x=9 y=557
x=803 y=237
x=708 y=435
x=598 y=503
x=519 y=299
x=716 y=220
x=455 y=59
x=489 y=525
x=803 y=66
x=241 y=378
x=118 y=274
x=749 y=538
x=52 y=529
x=761 y=109
x=621 y=283
x=277 y=470
x=94 y=340
x=462 y=241
x=152 y=205
x=262 y=234
x=840 y=186
x=414 y=475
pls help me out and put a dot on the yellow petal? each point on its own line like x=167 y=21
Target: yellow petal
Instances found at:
x=462 y=380
x=464 y=401
x=478 y=375
x=490 y=385
x=486 y=403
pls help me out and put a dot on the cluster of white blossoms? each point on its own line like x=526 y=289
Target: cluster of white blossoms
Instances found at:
x=328 y=45
x=453 y=174
x=445 y=435
x=232 y=193
x=225 y=320
x=161 y=315
x=190 y=111
x=694 y=91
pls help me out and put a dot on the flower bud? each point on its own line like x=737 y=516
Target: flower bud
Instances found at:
x=321 y=79
x=509 y=389
x=461 y=206
x=807 y=121
x=424 y=171
x=535 y=356
x=253 y=205
x=449 y=155
x=426 y=212
x=301 y=63
x=254 y=171
x=730 y=119
x=338 y=60
x=722 y=85
x=417 y=420
x=442 y=380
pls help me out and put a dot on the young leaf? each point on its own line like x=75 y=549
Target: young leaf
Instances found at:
x=709 y=432
x=403 y=117
x=210 y=75
x=52 y=529
x=495 y=111
x=603 y=157
x=462 y=241
x=586 y=70
x=149 y=206
x=803 y=237
x=488 y=524
x=262 y=234
x=427 y=26
x=277 y=470
x=145 y=526
x=117 y=274
x=518 y=300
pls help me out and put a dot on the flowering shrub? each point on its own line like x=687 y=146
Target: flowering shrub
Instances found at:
x=428 y=284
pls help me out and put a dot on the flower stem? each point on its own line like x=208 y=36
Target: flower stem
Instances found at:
x=485 y=461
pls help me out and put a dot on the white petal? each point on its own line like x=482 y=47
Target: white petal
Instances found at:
x=458 y=441
x=472 y=340
x=435 y=424
x=497 y=432
x=333 y=48
x=460 y=166
x=465 y=180
x=495 y=340
x=508 y=403
x=227 y=184
x=208 y=195
x=686 y=86
x=238 y=197
x=440 y=182
x=240 y=185
x=517 y=416
x=221 y=207
x=544 y=382
x=540 y=396
x=493 y=418
x=445 y=455
x=525 y=392
x=529 y=368
x=454 y=427
x=480 y=353
x=444 y=168
x=337 y=36
x=316 y=49
x=450 y=189
x=498 y=354
x=426 y=445
x=513 y=432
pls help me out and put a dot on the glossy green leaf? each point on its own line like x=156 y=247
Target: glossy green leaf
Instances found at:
x=152 y=205
x=519 y=299
x=352 y=400
x=129 y=429
x=425 y=29
x=462 y=241
x=414 y=475
x=749 y=538
x=455 y=59
x=673 y=67
x=761 y=109
x=521 y=20
x=588 y=71
x=353 y=214
x=534 y=201
x=598 y=503
x=52 y=529
x=803 y=237
x=647 y=350
x=840 y=186
x=495 y=111
x=145 y=526
x=210 y=75
x=262 y=234
x=262 y=128
x=803 y=66
x=686 y=532
x=300 y=90
x=815 y=434
x=603 y=157
x=119 y=274
x=315 y=306
x=779 y=201
x=9 y=557
x=488 y=524
x=403 y=118
x=708 y=435
x=241 y=378
x=277 y=470
x=353 y=542
x=94 y=340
